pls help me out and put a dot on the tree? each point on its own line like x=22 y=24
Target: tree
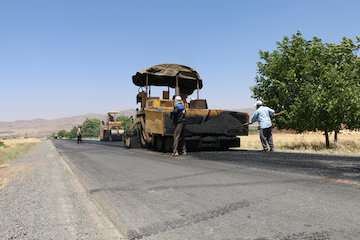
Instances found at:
x=91 y=128
x=73 y=133
x=127 y=121
x=62 y=133
x=317 y=84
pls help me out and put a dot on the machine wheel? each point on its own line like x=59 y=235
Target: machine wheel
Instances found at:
x=142 y=138
x=105 y=136
x=159 y=143
x=133 y=141
x=168 y=144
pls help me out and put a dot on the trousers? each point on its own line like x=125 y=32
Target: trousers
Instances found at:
x=266 y=138
x=179 y=139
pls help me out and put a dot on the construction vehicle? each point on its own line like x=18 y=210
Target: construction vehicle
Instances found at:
x=112 y=129
x=204 y=129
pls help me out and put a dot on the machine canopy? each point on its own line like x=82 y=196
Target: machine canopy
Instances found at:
x=166 y=74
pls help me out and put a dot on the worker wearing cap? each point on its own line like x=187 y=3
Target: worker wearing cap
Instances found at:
x=263 y=116
x=178 y=117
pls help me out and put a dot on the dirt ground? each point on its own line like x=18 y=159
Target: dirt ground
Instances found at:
x=11 y=149
x=348 y=142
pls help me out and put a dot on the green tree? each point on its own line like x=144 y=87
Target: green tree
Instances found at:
x=62 y=133
x=73 y=133
x=127 y=121
x=91 y=128
x=317 y=84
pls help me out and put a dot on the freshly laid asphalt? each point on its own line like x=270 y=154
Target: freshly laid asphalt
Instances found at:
x=235 y=195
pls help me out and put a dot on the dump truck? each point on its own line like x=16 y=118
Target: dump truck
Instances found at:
x=112 y=129
x=204 y=129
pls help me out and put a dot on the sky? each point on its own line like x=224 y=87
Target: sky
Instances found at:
x=69 y=57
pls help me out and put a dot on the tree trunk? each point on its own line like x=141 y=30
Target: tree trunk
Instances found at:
x=336 y=136
x=327 y=139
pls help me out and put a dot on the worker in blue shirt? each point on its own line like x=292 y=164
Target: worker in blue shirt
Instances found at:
x=178 y=117
x=263 y=116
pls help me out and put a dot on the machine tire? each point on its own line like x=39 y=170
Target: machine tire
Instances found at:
x=159 y=143
x=105 y=136
x=168 y=144
x=133 y=141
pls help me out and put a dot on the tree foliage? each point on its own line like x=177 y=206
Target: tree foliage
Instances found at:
x=73 y=133
x=62 y=133
x=91 y=128
x=316 y=83
x=127 y=121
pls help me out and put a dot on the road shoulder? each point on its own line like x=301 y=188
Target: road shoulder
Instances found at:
x=45 y=200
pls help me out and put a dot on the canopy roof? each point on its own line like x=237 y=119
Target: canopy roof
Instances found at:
x=165 y=75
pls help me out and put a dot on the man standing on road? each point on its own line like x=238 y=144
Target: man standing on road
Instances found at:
x=78 y=134
x=263 y=116
x=178 y=117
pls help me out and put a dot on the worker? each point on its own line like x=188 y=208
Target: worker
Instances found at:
x=78 y=134
x=263 y=116
x=178 y=117
x=110 y=117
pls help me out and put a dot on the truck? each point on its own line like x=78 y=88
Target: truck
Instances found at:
x=204 y=128
x=111 y=129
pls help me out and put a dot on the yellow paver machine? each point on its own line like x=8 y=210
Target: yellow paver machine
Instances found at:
x=205 y=128
x=112 y=129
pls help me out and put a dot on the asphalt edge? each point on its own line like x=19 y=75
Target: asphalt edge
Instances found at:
x=68 y=166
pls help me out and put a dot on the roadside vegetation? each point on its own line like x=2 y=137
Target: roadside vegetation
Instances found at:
x=13 y=148
x=348 y=142
x=127 y=121
x=315 y=84
x=90 y=128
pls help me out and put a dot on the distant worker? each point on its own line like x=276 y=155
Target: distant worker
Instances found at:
x=78 y=134
x=263 y=116
x=178 y=117
x=110 y=117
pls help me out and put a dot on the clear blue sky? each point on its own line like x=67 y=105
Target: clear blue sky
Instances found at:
x=68 y=57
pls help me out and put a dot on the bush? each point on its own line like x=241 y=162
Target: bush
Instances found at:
x=127 y=121
x=62 y=134
x=91 y=128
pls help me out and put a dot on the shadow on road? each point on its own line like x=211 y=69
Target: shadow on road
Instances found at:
x=344 y=167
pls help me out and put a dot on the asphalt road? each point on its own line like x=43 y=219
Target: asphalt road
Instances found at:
x=236 y=195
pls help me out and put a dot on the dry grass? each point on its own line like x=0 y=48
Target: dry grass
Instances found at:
x=11 y=149
x=348 y=142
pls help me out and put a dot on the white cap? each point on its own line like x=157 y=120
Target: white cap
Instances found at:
x=259 y=103
x=178 y=98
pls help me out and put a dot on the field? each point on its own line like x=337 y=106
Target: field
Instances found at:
x=10 y=149
x=348 y=142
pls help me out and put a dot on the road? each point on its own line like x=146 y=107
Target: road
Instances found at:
x=42 y=200
x=236 y=195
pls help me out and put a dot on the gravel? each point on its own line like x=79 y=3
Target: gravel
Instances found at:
x=44 y=200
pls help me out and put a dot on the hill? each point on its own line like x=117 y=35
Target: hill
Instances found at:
x=45 y=127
